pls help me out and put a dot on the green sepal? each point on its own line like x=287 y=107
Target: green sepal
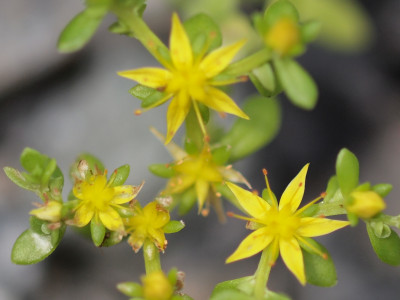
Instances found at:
x=310 y=211
x=298 y=85
x=347 y=171
x=387 y=249
x=266 y=196
x=131 y=289
x=81 y=28
x=187 y=201
x=241 y=286
x=148 y=95
x=97 y=231
x=119 y=176
x=221 y=155
x=32 y=247
x=120 y=28
x=94 y=163
x=366 y=186
x=112 y=238
x=173 y=276
x=381 y=230
x=319 y=271
x=173 y=226
x=162 y=170
x=21 y=179
x=278 y=10
x=353 y=219
x=310 y=30
x=265 y=81
x=248 y=136
x=227 y=194
x=204 y=34
x=382 y=189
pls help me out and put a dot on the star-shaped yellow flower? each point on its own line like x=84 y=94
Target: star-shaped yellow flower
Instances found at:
x=98 y=199
x=189 y=78
x=281 y=228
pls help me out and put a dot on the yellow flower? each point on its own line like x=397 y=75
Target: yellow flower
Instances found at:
x=366 y=204
x=98 y=199
x=50 y=211
x=156 y=286
x=188 y=79
x=281 y=228
x=147 y=223
x=283 y=36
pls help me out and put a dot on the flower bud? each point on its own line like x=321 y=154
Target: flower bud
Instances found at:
x=366 y=204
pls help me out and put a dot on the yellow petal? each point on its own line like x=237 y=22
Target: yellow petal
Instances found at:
x=111 y=219
x=310 y=227
x=123 y=194
x=252 y=244
x=151 y=77
x=176 y=152
x=293 y=258
x=202 y=187
x=51 y=211
x=293 y=194
x=215 y=62
x=176 y=114
x=83 y=215
x=252 y=204
x=158 y=237
x=179 y=44
x=219 y=101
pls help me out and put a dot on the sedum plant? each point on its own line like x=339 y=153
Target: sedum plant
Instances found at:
x=196 y=72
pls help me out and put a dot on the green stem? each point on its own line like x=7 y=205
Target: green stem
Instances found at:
x=142 y=32
x=262 y=275
x=249 y=63
x=330 y=209
x=151 y=257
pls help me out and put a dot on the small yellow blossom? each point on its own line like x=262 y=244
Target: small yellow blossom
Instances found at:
x=147 y=223
x=281 y=228
x=188 y=79
x=283 y=36
x=98 y=199
x=366 y=204
x=156 y=286
x=50 y=211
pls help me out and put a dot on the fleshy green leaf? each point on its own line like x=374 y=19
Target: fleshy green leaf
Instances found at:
x=248 y=136
x=148 y=95
x=80 y=29
x=382 y=189
x=187 y=201
x=32 y=247
x=319 y=271
x=347 y=171
x=310 y=30
x=120 y=175
x=98 y=232
x=220 y=155
x=387 y=249
x=203 y=32
x=162 y=170
x=333 y=186
x=20 y=180
x=173 y=226
x=131 y=289
x=298 y=85
x=264 y=80
x=242 y=285
x=230 y=294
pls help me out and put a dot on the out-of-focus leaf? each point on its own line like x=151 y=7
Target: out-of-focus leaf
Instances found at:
x=173 y=226
x=162 y=170
x=20 y=180
x=120 y=175
x=248 y=136
x=382 y=189
x=347 y=171
x=280 y=9
x=264 y=80
x=148 y=95
x=297 y=83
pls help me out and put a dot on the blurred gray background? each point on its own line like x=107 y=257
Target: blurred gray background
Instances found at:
x=63 y=105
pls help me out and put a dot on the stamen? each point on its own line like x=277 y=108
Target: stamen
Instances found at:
x=313 y=248
x=308 y=205
x=138 y=112
x=200 y=119
x=233 y=215
x=222 y=114
x=273 y=200
x=205 y=212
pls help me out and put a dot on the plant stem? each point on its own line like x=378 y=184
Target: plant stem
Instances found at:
x=249 y=63
x=151 y=257
x=262 y=275
x=330 y=209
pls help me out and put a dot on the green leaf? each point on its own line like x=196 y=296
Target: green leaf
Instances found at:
x=162 y=170
x=381 y=230
x=20 y=180
x=120 y=175
x=280 y=9
x=187 y=201
x=310 y=30
x=173 y=226
x=230 y=294
x=98 y=232
x=382 y=189
x=297 y=83
x=80 y=29
x=264 y=80
x=203 y=32
x=387 y=249
x=148 y=95
x=319 y=271
x=333 y=186
x=131 y=289
x=243 y=284
x=32 y=247
x=347 y=171
x=248 y=136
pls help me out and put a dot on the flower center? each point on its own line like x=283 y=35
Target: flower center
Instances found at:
x=282 y=223
x=96 y=192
